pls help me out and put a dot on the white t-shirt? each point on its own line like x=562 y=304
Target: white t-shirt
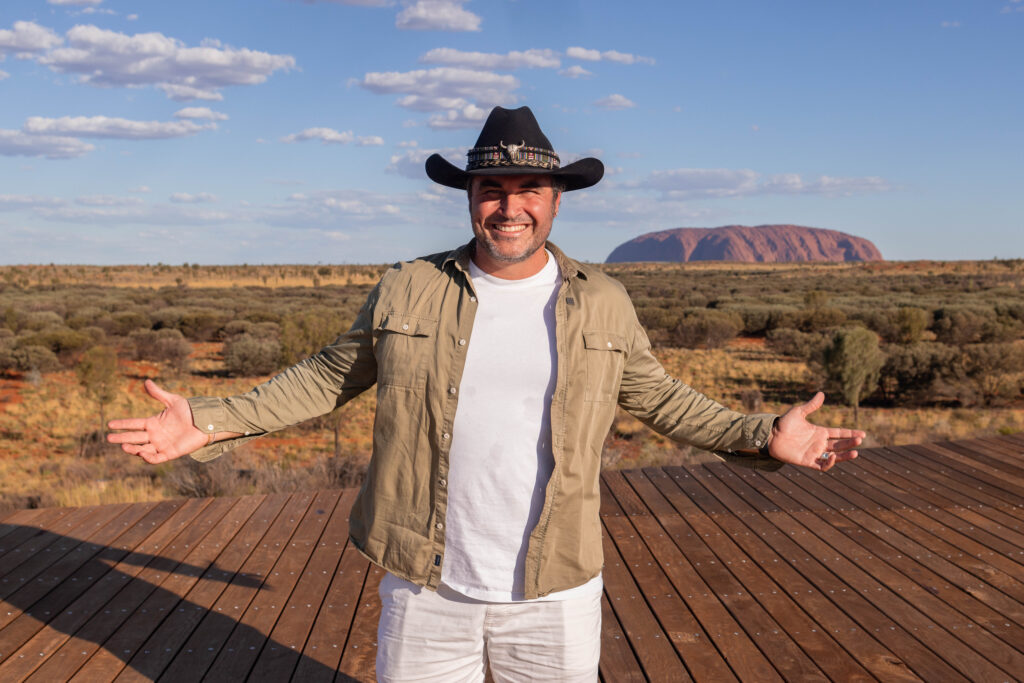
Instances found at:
x=501 y=459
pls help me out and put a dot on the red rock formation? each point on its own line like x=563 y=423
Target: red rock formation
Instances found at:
x=761 y=243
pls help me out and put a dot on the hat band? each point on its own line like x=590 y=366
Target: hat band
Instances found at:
x=511 y=155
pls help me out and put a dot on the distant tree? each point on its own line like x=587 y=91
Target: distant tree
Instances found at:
x=97 y=372
x=852 y=363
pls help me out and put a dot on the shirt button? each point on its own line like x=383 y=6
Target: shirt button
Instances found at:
x=210 y=427
x=442 y=482
x=405 y=326
x=446 y=436
x=609 y=345
x=462 y=342
x=452 y=390
x=472 y=298
x=757 y=443
x=439 y=526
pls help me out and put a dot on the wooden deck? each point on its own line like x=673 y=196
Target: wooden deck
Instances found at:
x=907 y=564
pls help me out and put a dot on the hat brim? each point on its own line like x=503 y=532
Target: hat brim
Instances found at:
x=576 y=176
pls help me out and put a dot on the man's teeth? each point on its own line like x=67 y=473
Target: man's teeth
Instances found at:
x=518 y=227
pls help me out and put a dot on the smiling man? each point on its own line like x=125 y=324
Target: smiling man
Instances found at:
x=498 y=368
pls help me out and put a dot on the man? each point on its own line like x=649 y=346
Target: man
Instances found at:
x=498 y=367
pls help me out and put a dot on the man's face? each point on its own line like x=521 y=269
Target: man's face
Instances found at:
x=512 y=216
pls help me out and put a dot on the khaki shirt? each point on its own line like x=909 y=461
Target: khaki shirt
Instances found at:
x=410 y=340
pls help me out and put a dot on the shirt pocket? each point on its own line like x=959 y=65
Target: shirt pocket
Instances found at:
x=604 y=353
x=403 y=345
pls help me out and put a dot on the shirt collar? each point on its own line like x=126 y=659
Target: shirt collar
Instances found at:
x=460 y=258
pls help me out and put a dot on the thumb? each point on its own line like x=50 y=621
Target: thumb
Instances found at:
x=816 y=402
x=159 y=394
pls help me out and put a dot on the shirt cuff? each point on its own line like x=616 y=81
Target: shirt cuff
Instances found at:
x=210 y=416
x=757 y=431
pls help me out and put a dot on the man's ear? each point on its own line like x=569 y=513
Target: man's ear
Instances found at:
x=557 y=203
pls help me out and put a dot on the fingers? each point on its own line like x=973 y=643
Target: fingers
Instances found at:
x=129 y=423
x=129 y=437
x=846 y=444
x=159 y=394
x=816 y=402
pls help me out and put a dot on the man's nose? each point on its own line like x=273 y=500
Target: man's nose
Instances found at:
x=510 y=205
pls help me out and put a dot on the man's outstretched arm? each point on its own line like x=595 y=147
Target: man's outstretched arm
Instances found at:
x=165 y=436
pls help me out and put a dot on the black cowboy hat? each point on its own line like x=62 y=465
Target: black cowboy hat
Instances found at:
x=511 y=142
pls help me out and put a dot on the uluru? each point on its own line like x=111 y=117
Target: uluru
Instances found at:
x=759 y=243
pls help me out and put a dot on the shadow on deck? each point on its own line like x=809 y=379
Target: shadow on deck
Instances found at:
x=906 y=564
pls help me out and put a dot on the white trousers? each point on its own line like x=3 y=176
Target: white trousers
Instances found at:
x=447 y=637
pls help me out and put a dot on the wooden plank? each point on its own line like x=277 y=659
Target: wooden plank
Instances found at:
x=677 y=622
x=62 y=616
x=794 y=566
x=747 y=529
x=875 y=479
x=282 y=654
x=225 y=566
x=939 y=596
x=103 y=660
x=967 y=521
x=193 y=659
x=329 y=631
x=28 y=559
x=987 y=458
x=873 y=578
x=916 y=474
x=35 y=602
x=37 y=519
x=657 y=657
x=802 y=630
x=618 y=661
x=962 y=468
x=66 y=660
x=999 y=449
x=253 y=633
x=359 y=660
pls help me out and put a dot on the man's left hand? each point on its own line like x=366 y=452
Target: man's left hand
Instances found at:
x=798 y=442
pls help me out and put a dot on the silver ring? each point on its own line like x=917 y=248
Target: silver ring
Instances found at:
x=824 y=457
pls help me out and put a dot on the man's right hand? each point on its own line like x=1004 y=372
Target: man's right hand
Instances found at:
x=163 y=437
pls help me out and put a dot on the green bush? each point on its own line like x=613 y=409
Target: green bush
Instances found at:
x=706 y=327
x=124 y=323
x=984 y=374
x=247 y=356
x=911 y=372
x=162 y=346
x=794 y=343
x=852 y=363
x=59 y=339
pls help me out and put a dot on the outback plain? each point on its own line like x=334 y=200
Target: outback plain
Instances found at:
x=908 y=351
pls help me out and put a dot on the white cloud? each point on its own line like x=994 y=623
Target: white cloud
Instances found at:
x=183 y=93
x=108 y=127
x=443 y=87
x=535 y=58
x=369 y=140
x=20 y=143
x=575 y=71
x=74 y=2
x=141 y=189
x=107 y=200
x=590 y=55
x=324 y=135
x=470 y=116
x=437 y=15
x=187 y=198
x=614 y=102
x=950 y=24
x=107 y=58
x=200 y=113
x=690 y=183
x=4 y=74
x=27 y=37
x=356 y=3
x=16 y=202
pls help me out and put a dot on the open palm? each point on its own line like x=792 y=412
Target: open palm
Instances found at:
x=798 y=442
x=162 y=437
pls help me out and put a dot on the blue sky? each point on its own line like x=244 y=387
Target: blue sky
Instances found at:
x=294 y=131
